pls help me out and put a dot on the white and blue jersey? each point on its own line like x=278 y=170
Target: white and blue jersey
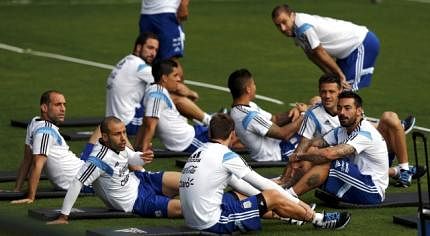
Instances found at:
x=44 y=138
x=173 y=129
x=362 y=177
x=125 y=89
x=204 y=204
x=354 y=47
x=252 y=125
x=317 y=122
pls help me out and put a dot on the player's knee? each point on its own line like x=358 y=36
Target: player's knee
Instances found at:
x=273 y=198
x=390 y=119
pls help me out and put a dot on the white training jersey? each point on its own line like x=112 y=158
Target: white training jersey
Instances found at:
x=317 y=122
x=108 y=172
x=125 y=88
x=173 y=129
x=371 y=151
x=203 y=180
x=339 y=38
x=62 y=164
x=251 y=125
x=150 y=7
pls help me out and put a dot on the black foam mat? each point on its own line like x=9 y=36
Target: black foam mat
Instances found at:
x=10 y=176
x=253 y=164
x=147 y=231
x=404 y=199
x=10 y=195
x=73 y=122
x=79 y=213
x=409 y=221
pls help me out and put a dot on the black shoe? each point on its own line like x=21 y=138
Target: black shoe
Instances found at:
x=334 y=220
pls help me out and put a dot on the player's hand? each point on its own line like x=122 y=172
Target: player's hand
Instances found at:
x=61 y=220
x=147 y=156
x=293 y=157
x=22 y=201
x=344 y=83
x=294 y=113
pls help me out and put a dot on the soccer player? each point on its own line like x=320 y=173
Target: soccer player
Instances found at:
x=212 y=167
x=164 y=18
x=322 y=118
x=350 y=161
x=268 y=137
x=45 y=147
x=107 y=169
x=335 y=46
x=128 y=81
x=162 y=117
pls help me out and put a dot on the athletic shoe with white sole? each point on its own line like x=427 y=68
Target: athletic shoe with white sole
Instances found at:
x=408 y=123
x=334 y=220
x=405 y=178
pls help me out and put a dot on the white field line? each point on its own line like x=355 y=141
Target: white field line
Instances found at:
x=110 y=67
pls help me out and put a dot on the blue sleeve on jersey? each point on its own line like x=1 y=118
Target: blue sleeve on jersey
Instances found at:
x=365 y=134
x=302 y=29
x=159 y=95
x=248 y=118
x=141 y=67
x=50 y=131
x=312 y=116
x=100 y=164
x=229 y=156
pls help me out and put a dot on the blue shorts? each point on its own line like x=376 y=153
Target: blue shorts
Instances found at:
x=288 y=146
x=237 y=215
x=133 y=127
x=200 y=137
x=359 y=65
x=169 y=32
x=150 y=201
x=347 y=183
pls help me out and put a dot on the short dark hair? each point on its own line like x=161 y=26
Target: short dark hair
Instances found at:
x=220 y=126
x=45 y=98
x=281 y=8
x=104 y=125
x=163 y=67
x=143 y=37
x=328 y=79
x=237 y=81
x=358 y=102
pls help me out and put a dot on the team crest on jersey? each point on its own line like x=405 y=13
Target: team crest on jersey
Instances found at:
x=247 y=204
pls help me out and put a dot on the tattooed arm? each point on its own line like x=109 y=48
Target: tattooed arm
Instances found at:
x=324 y=155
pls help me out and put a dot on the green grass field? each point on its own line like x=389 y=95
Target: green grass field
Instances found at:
x=222 y=36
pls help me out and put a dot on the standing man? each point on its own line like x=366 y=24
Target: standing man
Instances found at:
x=212 y=167
x=45 y=147
x=164 y=18
x=268 y=137
x=335 y=46
x=350 y=161
x=145 y=193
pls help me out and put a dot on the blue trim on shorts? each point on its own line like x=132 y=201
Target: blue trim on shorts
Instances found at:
x=288 y=146
x=368 y=59
x=201 y=137
x=346 y=182
x=151 y=202
x=133 y=126
x=168 y=30
x=237 y=215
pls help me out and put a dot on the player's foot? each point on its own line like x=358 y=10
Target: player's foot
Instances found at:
x=405 y=178
x=408 y=123
x=417 y=171
x=334 y=220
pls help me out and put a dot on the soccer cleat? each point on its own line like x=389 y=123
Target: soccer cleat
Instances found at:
x=405 y=178
x=408 y=123
x=417 y=171
x=334 y=220
x=297 y=222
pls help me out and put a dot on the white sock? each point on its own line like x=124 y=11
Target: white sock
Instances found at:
x=318 y=218
x=206 y=119
x=291 y=191
x=404 y=166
